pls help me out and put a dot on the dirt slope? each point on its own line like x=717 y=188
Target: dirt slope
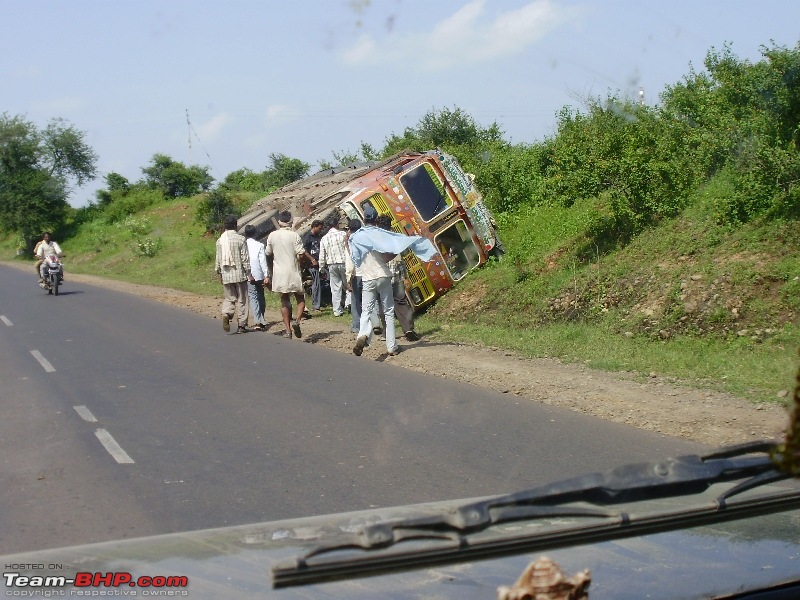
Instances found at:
x=656 y=404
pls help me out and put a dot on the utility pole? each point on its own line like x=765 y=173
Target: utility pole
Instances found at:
x=192 y=131
x=189 y=126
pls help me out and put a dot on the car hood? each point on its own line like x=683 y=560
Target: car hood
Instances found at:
x=236 y=562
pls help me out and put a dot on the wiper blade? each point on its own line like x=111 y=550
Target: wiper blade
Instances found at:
x=745 y=467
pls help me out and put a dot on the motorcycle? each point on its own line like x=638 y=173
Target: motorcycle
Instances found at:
x=53 y=274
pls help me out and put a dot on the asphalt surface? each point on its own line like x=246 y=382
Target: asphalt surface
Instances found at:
x=124 y=417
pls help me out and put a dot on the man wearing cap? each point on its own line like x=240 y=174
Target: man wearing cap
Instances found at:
x=285 y=247
x=376 y=281
x=353 y=279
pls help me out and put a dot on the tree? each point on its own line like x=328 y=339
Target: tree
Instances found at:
x=213 y=207
x=66 y=154
x=743 y=120
x=284 y=170
x=175 y=179
x=37 y=170
x=366 y=153
x=117 y=183
x=117 y=186
x=245 y=179
x=444 y=129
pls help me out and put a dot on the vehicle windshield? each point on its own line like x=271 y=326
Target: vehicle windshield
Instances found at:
x=632 y=500
x=426 y=191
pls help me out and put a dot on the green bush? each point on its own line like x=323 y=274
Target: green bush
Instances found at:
x=213 y=207
x=768 y=183
x=632 y=152
x=204 y=256
x=136 y=225
x=174 y=179
x=509 y=176
x=743 y=117
x=136 y=200
x=146 y=246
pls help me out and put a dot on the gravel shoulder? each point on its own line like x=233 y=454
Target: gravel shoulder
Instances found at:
x=654 y=403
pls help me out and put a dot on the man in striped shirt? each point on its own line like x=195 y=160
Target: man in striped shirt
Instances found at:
x=332 y=257
x=232 y=264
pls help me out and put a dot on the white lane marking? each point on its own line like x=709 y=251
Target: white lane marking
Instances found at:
x=85 y=414
x=114 y=449
x=5 y=320
x=43 y=361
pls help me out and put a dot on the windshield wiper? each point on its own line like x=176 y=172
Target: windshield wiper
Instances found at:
x=744 y=467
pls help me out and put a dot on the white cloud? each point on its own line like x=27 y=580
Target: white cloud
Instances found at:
x=278 y=114
x=254 y=141
x=210 y=130
x=363 y=52
x=466 y=37
x=60 y=106
x=275 y=116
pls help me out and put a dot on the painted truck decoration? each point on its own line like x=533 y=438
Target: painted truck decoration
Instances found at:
x=425 y=194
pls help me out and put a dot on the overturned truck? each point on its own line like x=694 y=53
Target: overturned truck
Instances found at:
x=424 y=193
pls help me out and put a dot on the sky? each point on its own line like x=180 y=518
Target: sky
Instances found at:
x=224 y=84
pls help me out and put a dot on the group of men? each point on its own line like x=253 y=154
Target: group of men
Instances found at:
x=325 y=257
x=242 y=263
x=363 y=276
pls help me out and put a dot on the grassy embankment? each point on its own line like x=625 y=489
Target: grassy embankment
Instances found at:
x=688 y=299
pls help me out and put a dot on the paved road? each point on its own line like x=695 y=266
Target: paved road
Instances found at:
x=124 y=417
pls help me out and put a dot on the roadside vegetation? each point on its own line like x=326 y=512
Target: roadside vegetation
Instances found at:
x=639 y=238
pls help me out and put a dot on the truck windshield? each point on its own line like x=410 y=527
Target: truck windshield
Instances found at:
x=456 y=246
x=426 y=191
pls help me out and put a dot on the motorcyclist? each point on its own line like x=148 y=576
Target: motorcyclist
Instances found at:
x=45 y=248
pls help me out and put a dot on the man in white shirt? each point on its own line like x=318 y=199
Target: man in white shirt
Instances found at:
x=354 y=287
x=332 y=254
x=376 y=279
x=45 y=248
x=286 y=248
x=259 y=272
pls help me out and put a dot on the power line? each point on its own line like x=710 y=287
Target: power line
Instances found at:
x=189 y=125
x=192 y=131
